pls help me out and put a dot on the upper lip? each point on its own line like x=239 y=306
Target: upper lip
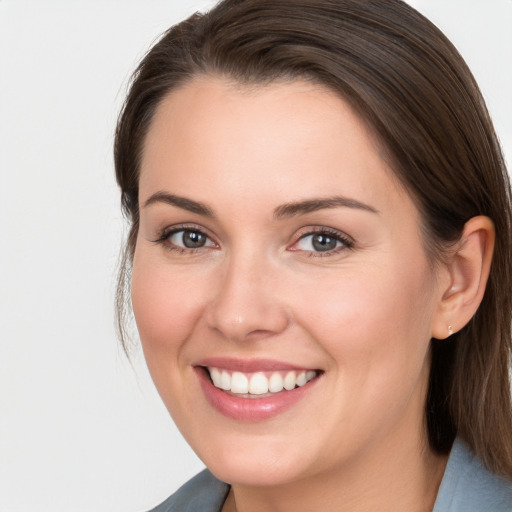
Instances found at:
x=249 y=365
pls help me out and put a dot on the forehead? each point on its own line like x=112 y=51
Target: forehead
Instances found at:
x=284 y=141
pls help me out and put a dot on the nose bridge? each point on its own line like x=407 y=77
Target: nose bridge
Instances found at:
x=245 y=302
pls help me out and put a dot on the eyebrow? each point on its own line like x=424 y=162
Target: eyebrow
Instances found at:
x=180 y=202
x=283 y=211
x=313 y=205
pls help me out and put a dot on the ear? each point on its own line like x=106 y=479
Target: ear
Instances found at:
x=468 y=269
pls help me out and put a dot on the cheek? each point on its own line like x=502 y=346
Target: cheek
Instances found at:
x=375 y=333
x=375 y=325
x=167 y=308
x=166 y=305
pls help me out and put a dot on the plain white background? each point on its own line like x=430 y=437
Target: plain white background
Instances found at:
x=82 y=429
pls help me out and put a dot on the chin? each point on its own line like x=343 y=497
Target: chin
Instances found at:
x=251 y=459
x=254 y=473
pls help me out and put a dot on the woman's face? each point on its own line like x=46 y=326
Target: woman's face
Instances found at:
x=276 y=250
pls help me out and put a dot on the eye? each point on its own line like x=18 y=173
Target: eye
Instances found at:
x=190 y=239
x=318 y=242
x=322 y=241
x=185 y=239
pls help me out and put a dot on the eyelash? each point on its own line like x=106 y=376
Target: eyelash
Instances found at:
x=166 y=234
x=347 y=243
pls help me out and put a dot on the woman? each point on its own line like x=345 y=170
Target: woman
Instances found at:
x=316 y=195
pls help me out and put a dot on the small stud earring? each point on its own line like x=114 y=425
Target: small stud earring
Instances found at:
x=450 y=331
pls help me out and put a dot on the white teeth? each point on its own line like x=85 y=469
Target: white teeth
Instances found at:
x=258 y=383
x=239 y=383
x=216 y=377
x=301 y=379
x=275 y=383
x=225 y=381
x=289 y=381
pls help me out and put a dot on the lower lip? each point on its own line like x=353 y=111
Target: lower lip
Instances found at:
x=251 y=409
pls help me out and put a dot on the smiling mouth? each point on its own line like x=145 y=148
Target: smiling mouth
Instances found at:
x=259 y=384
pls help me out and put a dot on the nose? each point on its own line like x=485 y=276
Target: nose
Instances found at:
x=245 y=304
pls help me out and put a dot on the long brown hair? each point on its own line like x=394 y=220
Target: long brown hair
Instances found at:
x=415 y=92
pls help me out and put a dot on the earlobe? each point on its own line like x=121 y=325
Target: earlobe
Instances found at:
x=468 y=268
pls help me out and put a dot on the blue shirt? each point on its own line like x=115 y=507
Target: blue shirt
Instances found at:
x=467 y=486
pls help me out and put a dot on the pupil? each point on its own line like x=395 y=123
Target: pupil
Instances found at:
x=324 y=243
x=193 y=239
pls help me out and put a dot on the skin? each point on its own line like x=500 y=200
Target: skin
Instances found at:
x=363 y=314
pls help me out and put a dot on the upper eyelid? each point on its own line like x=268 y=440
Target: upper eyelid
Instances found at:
x=346 y=241
x=312 y=230
x=164 y=239
x=165 y=233
x=185 y=227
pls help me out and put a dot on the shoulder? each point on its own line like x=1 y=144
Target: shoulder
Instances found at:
x=203 y=493
x=467 y=486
